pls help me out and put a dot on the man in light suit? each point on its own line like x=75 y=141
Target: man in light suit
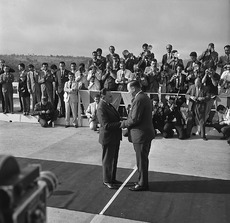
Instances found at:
x=91 y=113
x=198 y=95
x=71 y=99
x=140 y=132
x=110 y=135
x=33 y=85
x=45 y=79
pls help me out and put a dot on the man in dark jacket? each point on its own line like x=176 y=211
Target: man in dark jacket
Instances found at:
x=110 y=135
x=140 y=132
x=46 y=113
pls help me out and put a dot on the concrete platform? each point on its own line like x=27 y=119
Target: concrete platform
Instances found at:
x=192 y=157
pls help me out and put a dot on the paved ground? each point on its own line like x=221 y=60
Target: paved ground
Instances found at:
x=193 y=157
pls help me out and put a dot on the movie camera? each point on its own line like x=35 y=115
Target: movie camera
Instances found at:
x=23 y=193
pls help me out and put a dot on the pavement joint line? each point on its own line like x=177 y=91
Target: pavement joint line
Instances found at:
x=118 y=191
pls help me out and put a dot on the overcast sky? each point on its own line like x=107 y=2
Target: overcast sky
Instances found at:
x=77 y=27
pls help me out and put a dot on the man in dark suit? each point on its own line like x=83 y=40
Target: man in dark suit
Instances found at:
x=168 y=56
x=110 y=135
x=140 y=132
x=61 y=77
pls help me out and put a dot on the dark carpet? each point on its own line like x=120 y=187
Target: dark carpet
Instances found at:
x=172 y=198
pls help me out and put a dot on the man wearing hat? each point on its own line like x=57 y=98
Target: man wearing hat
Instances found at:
x=46 y=113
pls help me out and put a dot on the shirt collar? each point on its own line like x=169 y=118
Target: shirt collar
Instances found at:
x=137 y=93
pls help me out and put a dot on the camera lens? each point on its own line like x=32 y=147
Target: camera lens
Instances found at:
x=51 y=181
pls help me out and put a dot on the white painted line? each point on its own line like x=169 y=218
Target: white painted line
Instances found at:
x=118 y=191
x=97 y=218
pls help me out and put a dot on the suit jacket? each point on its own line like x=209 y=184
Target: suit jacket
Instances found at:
x=6 y=80
x=109 y=119
x=192 y=91
x=139 y=122
x=61 y=79
x=91 y=112
x=71 y=92
x=32 y=81
x=165 y=58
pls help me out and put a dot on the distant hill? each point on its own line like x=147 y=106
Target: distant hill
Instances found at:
x=13 y=60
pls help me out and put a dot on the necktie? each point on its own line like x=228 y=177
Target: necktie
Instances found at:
x=70 y=84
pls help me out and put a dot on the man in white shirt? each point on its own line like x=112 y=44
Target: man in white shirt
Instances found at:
x=91 y=113
x=224 y=121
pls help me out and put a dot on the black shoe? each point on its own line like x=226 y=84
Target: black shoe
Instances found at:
x=117 y=182
x=110 y=186
x=67 y=126
x=205 y=139
x=75 y=126
x=137 y=187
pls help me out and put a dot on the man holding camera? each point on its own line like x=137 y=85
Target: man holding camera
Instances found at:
x=45 y=111
x=209 y=57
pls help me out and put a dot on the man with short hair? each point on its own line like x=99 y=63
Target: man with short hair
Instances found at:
x=33 y=85
x=61 y=79
x=110 y=57
x=209 y=57
x=140 y=132
x=168 y=56
x=91 y=113
x=223 y=124
x=102 y=59
x=94 y=61
x=225 y=59
x=71 y=100
x=175 y=61
x=110 y=135
x=22 y=72
x=6 y=80
x=2 y=64
x=45 y=79
x=45 y=111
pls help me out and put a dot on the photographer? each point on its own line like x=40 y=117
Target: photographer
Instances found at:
x=45 y=111
x=210 y=80
x=91 y=113
x=209 y=57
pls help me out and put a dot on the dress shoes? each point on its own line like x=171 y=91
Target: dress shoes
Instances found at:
x=111 y=186
x=137 y=187
x=117 y=182
x=205 y=139
x=67 y=126
x=75 y=126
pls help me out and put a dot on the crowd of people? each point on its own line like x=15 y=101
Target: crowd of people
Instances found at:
x=58 y=86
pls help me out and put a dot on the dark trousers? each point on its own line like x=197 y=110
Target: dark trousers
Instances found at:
x=8 y=99
x=142 y=154
x=21 y=101
x=44 y=119
x=225 y=129
x=168 y=130
x=109 y=162
x=26 y=103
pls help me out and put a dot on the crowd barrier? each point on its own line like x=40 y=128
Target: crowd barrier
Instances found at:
x=121 y=100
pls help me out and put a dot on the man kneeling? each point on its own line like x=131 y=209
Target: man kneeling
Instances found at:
x=45 y=111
